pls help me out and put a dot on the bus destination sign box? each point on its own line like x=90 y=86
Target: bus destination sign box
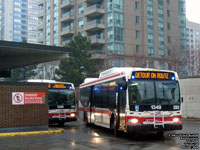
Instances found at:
x=153 y=75
x=58 y=86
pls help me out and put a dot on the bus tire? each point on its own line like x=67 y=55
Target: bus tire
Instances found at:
x=61 y=123
x=160 y=134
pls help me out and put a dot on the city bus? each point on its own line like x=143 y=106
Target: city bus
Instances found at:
x=132 y=99
x=62 y=103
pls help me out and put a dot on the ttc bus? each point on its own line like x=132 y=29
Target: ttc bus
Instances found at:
x=132 y=99
x=62 y=103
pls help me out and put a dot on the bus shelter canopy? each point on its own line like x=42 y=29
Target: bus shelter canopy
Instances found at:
x=17 y=54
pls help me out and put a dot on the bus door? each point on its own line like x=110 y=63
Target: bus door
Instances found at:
x=97 y=104
x=121 y=108
x=91 y=106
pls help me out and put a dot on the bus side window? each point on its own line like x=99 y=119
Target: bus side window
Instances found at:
x=97 y=96
x=104 y=99
x=112 y=97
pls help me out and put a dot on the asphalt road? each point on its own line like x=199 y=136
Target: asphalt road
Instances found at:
x=79 y=137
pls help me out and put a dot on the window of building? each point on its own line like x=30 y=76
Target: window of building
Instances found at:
x=168 y=39
x=80 y=9
x=137 y=19
x=137 y=48
x=116 y=62
x=168 y=26
x=160 y=2
x=168 y=13
x=137 y=5
x=137 y=34
x=80 y=23
x=168 y=1
x=118 y=34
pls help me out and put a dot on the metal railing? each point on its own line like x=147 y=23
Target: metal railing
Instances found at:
x=67 y=28
x=97 y=21
x=67 y=1
x=96 y=37
x=68 y=14
x=94 y=6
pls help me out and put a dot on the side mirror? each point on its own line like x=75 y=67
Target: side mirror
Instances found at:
x=182 y=99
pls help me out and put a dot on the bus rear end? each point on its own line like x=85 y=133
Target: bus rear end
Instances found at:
x=62 y=104
x=154 y=102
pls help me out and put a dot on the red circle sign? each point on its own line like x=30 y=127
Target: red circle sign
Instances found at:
x=18 y=98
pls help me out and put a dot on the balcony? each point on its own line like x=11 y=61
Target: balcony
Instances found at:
x=67 y=30
x=97 y=39
x=67 y=3
x=94 y=10
x=40 y=2
x=94 y=25
x=92 y=1
x=67 y=16
x=40 y=25
x=97 y=54
x=65 y=42
x=40 y=38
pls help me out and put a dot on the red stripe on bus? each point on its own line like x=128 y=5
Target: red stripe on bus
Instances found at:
x=119 y=74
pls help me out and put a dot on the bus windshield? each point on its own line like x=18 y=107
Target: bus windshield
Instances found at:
x=143 y=92
x=61 y=97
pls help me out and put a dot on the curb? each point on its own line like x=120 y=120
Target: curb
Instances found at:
x=31 y=133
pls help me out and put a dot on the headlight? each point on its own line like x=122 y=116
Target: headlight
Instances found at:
x=175 y=120
x=133 y=120
x=72 y=115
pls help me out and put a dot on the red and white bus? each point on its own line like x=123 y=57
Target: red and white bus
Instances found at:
x=62 y=103
x=132 y=99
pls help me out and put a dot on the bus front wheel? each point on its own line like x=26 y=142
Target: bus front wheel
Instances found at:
x=61 y=123
x=160 y=134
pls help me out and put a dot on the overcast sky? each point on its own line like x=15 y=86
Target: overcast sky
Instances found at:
x=193 y=10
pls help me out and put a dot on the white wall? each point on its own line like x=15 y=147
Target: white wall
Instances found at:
x=190 y=91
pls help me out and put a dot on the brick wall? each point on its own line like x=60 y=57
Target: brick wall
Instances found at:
x=22 y=115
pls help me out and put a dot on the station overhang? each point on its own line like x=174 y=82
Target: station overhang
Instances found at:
x=17 y=54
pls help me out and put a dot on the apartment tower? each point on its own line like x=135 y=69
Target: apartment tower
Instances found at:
x=139 y=33
x=18 y=20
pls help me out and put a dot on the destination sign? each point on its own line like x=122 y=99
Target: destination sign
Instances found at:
x=153 y=75
x=59 y=86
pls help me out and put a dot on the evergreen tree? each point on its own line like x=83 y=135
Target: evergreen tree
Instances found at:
x=79 y=64
x=24 y=73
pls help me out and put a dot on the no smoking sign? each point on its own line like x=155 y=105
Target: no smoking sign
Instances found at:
x=18 y=98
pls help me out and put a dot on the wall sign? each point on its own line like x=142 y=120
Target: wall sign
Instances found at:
x=23 y=98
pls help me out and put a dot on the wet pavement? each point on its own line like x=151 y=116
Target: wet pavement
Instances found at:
x=79 y=137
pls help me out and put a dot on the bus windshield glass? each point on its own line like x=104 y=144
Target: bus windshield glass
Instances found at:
x=61 y=97
x=144 y=92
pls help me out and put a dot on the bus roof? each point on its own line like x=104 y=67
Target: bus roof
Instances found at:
x=46 y=81
x=118 y=72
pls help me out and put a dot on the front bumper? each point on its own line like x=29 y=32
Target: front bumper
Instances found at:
x=150 y=127
x=57 y=120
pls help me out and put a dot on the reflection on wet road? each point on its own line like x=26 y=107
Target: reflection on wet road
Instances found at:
x=79 y=137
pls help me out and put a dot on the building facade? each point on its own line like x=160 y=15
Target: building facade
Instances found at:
x=138 y=33
x=19 y=20
x=193 y=48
